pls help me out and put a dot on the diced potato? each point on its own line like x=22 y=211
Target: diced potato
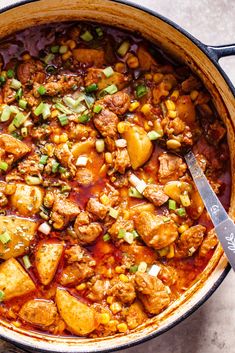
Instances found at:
x=141 y=207
x=89 y=56
x=27 y=199
x=135 y=315
x=145 y=58
x=21 y=232
x=13 y=146
x=14 y=281
x=83 y=147
x=79 y=318
x=186 y=110
x=139 y=145
x=39 y=312
x=47 y=258
x=174 y=189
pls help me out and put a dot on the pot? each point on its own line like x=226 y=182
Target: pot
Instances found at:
x=203 y=60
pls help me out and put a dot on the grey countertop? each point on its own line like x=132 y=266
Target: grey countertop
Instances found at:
x=211 y=328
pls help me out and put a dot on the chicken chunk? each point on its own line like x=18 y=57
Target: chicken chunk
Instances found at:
x=13 y=146
x=39 y=312
x=154 y=231
x=97 y=289
x=190 y=240
x=14 y=281
x=146 y=60
x=135 y=315
x=124 y=292
x=84 y=176
x=118 y=103
x=96 y=208
x=155 y=194
x=47 y=258
x=152 y=292
x=121 y=223
x=86 y=230
x=121 y=160
x=63 y=212
x=31 y=71
x=97 y=76
x=21 y=232
x=65 y=156
x=171 y=167
x=210 y=241
x=79 y=318
x=93 y=57
x=27 y=199
x=106 y=122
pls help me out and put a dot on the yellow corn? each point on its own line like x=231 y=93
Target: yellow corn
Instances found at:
x=122 y=327
x=183 y=228
x=119 y=269
x=170 y=104
x=54 y=113
x=63 y=137
x=108 y=157
x=126 y=213
x=171 y=252
x=194 y=94
x=146 y=109
x=104 y=199
x=66 y=55
x=173 y=144
x=123 y=278
x=71 y=43
x=133 y=106
x=16 y=323
x=115 y=307
x=157 y=77
x=103 y=170
x=172 y=114
x=112 y=325
x=109 y=300
x=148 y=76
x=104 y=318
x=175 y=94
x=81 y=286
x=146 y=126
x=136 y=119
x=26 y=57
x=132 y=61
x=120 y=67
x=121 y=127
x=56 y=139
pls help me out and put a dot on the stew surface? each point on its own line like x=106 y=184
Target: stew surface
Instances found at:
x=101 y=226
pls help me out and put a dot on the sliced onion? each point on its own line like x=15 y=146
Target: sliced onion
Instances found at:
x=139 y=184
x=154 y=270
x=45 y=228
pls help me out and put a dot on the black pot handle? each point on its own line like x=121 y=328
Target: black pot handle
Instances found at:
x=221 y=51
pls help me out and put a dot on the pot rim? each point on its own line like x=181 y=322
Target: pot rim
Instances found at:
x=209 y=52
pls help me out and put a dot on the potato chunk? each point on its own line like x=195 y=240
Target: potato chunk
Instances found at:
x=27 y=199
x=89 y=56
x=21 y=232
x=79 y=318
x=13 y=146
x=47 y=258
x=39 y=312
x=14 y=281
x=139 y=146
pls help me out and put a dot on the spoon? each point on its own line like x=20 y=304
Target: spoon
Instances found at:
x=224 y=226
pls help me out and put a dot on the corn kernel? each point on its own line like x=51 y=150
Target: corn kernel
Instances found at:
x=103 y=170
x=71 y=43
x=175 y=94
x=171 y=252
x=194 y=94
x=133 y=106
x=146 y=109
x=132 y=61
x=170 y=104
x=81 y=286
x=126 y=213
x=109 y=300
x=142 y=266
x=104 y=199
x=56 y=139
x=121 y=127
x=148 y=76
x=119 y=269
x=173 y=144
x=16 y=323
x=26 y=57
x=115 y=307
x=112 y=325
x=183 y=228
x=122 y=327
x=63 y=138
x=54 y=113
x=157 y=78
x=172 y=114
x=123 y=278
x=66 y=55
x=104 y=318
x=120 y=67
x=108 y=157
x=146 y=126
x=136 y=119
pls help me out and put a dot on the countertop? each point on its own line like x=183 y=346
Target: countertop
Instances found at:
x=211 y=328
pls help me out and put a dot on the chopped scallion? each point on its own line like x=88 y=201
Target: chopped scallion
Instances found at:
x=15 y=84
x=62 y=170
x=181 y=212
x=84 y=118
x=46 y=112
x=62 y=108
x=141 y=91
x=43 y=159
x=39 y=109
x=133 y=269
x=3 y=165
x=133 y=192
x=55 y=166
x=55 y=49
x=6 y=113
x=97 y=109
x=22 y=103
x=19 y=93
x=27 y=263
x=153 y=135
x=185 y=200
x=41 y=90
x=5 y=238
x=33 y=180
x=111 y=89
x=18 y=119
x=10 y=73
x=2 y=295
x=24 y=131
x=63 y=49
x=2 y=80
x=113 y=213
x=99 y=32
x=172 y=205
x=87 y=36
x=91 y=88
x=106 y=237
x=135 y=234
x=121 y=233
x=123 y=49
x=48 y=58
x=108 y=71
x=63 y=120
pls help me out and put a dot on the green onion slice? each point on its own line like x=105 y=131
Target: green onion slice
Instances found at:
x=108 y=71
x=141 y=91
x=87 y=36
x=5 y=238
x=172 y=205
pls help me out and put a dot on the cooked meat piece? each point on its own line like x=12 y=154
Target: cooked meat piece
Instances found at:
x=190 y=84
x=58 y=85
x=78 y=131
x=152 y=292
x=154 y=231
x=97 y=76
x=209 y=243
x=13 y=146
x=93 y=57
x=63 y=212
x=27 y=199
x=121 y=160
x=86 y=231
x=216 y=132
x=127 y=225
x=113 y=195
x=155 y=194
x=96 y=208
x=190 y=240
x=171 y=167
x=9 y=94
x=120 y=180
x=118 y=103
x=168 y=275
x=106 y=122
x=84 y=176
x=31 y=71
x=124 y=292
x=39 y=312
x=14 y=281
x=76 y=273
x=64 y=155
x=146 y=60
x=30 y=165
x=135 y=315
x=98 y=289
x=74 y=254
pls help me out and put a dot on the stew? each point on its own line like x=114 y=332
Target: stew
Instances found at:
x=101 y=226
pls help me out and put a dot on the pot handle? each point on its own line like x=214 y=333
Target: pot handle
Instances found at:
x=221 y=51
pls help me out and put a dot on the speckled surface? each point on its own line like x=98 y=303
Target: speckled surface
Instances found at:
x=211 y=328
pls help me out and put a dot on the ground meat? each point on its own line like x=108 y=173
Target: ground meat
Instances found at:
x=58 y=85
x=64 y=155
x=209 y=242
x=168 y=275
x=106 y=122
x=112 y=194
x=127 y=225
x=124 y=292
x=39 y=312
x=31 y=71
x=63 y=212
x=84 y=176
x=152 y=292
x=74 y=254
x=154 y=231
x=30 y=165
x=96 y=208
x=97 y=289
x=135 y=315
x=155 y=194
x=171 y=167
x=190 y=240
x=121 y=160
x=118 y=103
x=86 y=230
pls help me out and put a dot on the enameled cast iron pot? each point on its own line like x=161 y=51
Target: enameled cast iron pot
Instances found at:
x=203 y=60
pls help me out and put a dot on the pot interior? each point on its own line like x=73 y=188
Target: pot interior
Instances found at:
x=180 y=46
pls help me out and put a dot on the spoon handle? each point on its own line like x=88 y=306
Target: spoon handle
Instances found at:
x=224 y=226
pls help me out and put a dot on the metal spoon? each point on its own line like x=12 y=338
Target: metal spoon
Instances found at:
x=224 y=226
